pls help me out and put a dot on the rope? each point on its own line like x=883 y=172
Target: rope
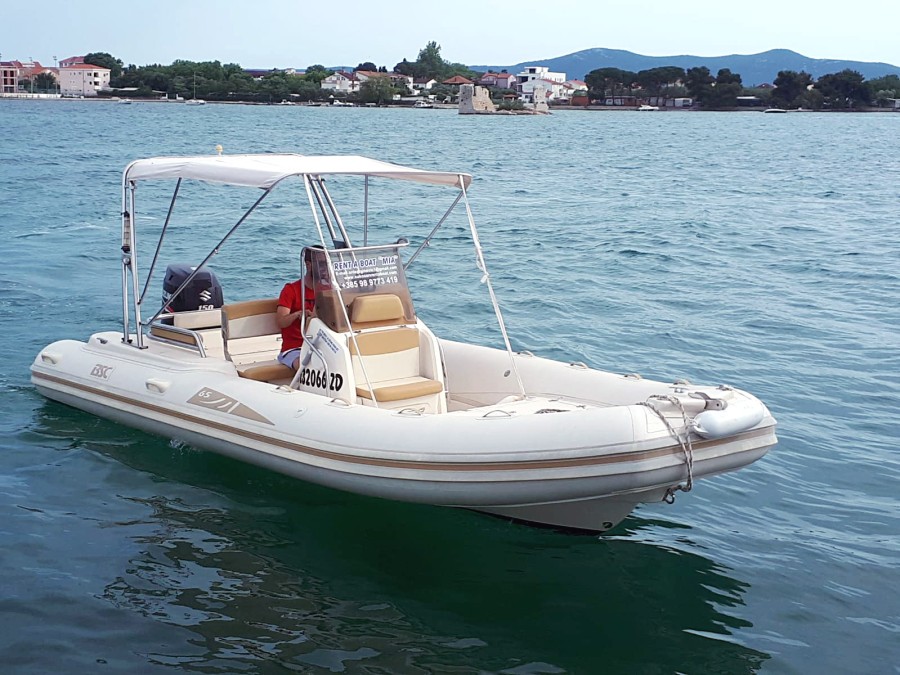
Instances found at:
x=684 y=442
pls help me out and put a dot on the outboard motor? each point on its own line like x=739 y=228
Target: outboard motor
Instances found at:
x=204 y=291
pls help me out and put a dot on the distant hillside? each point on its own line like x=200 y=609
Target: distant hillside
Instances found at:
x=754 y=69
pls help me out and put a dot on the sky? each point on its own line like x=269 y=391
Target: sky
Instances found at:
x=297 y=33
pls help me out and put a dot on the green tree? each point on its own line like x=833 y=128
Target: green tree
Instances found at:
x=846 y=89
x=656 y=81
x=604 y=82
x=316 y=73
x=431 y=63
x=442 y=92
x=105 y=60
x=811 y=99
x=884 y=89
x=711 y=92
x=789 y=85
x=367 y=65
x=275 y=87
x=45 y=82
x=511 y=104
x=725 y=90
x=307 y=91
x=230 y=70
x=888 y=83
x=699 y=83
x=452 y=69
x=407 y=68
x=763 y=94
x=376 y=90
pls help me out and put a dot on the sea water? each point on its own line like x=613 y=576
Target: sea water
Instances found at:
x=761 y=251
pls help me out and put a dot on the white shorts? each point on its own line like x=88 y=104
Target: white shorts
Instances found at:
x=287 y=358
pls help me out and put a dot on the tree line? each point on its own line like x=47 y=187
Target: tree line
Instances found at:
x=845 y=90
x=214 y=81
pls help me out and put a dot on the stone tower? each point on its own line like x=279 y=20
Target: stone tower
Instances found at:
x=475 y=100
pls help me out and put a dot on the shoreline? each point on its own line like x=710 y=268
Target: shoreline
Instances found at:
x=436 y=106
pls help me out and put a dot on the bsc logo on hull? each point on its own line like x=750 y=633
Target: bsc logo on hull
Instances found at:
x=101 y=371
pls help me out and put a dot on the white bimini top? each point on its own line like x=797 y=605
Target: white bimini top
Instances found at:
x=265 y=171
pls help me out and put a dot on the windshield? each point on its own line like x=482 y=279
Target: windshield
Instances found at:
x=357 y=273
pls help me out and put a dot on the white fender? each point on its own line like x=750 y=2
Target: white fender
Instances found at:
x=735 y=418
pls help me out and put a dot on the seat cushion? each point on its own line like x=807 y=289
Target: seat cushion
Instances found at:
x=376 y=307
x=266 y=372
x=399 y=390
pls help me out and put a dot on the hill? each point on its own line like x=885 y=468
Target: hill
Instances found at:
x=754 y=69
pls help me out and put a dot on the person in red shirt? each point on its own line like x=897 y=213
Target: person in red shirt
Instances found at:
x=290 y=310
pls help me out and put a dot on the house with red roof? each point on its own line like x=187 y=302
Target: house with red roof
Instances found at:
x=397 y=79
x=342 y=80
x=456 y=81
x=12 y=73
x=498 y=80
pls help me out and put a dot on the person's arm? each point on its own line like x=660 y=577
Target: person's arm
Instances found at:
x=284 y=317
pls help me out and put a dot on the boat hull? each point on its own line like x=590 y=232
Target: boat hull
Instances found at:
x=584 y=467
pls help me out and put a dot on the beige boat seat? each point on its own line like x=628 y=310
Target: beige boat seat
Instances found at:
x=205 y=327
x=387 y=352
x=252 y=340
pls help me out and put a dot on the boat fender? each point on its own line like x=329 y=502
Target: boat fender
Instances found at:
x=731 y=420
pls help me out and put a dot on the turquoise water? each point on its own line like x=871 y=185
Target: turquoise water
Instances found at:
x=757 y=250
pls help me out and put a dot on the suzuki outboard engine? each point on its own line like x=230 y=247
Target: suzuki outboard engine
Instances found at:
x=204 y=291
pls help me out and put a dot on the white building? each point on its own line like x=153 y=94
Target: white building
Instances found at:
x=539 y=73
x=424 y=83
x=552 y=90
x=82 y=79
x=541 y=77
x=342 y=81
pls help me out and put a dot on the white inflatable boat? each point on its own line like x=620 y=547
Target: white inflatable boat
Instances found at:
x=380 y=405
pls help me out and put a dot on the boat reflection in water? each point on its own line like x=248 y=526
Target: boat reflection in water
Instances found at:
x=240 y=569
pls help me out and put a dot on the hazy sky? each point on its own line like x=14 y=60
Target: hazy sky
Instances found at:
x=293 y=33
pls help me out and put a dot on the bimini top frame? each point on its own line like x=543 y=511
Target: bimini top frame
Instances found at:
x=266 y=172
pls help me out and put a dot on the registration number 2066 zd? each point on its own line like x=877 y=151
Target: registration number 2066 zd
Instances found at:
x=312 y=377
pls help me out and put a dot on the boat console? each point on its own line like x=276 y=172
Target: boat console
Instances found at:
x=365 y=344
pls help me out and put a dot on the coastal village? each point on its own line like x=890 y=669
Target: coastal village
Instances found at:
x=533 y=89
x=536 y=87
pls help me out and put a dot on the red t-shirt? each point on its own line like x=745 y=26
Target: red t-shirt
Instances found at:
x=292 y=336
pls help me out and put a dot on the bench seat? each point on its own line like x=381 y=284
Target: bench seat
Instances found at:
x=252 y=340
x=399 y=389
x=266 y=372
